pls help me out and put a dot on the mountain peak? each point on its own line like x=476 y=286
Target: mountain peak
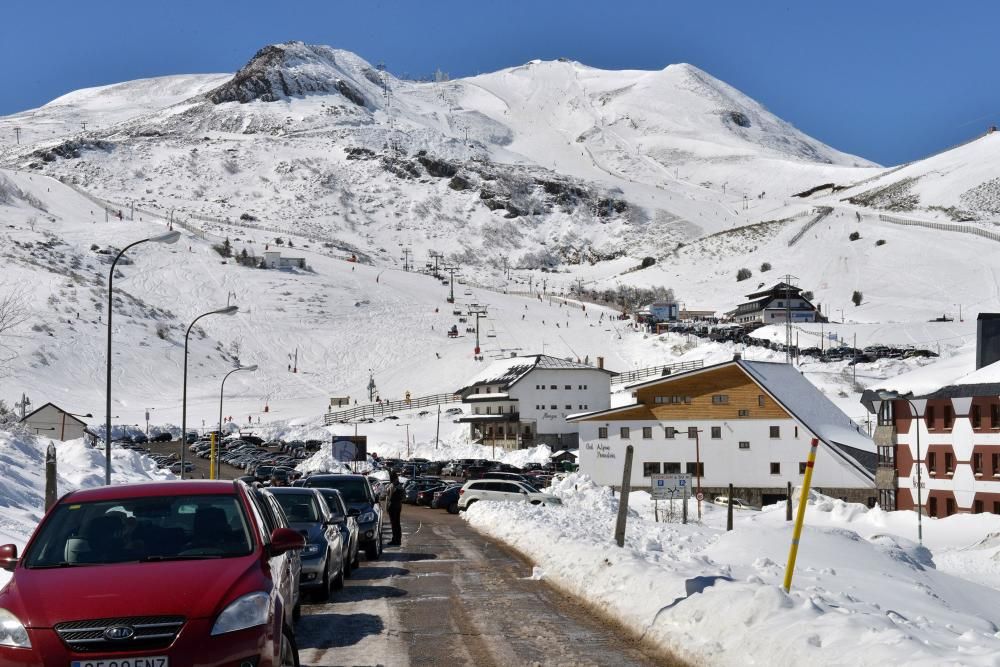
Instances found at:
x=295 y=69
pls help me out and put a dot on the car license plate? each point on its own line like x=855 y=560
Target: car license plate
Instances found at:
x=150 y=661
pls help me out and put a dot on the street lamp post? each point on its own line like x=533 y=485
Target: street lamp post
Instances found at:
x=169 y=237
x=697 y=464
x=407 y=425
x=229 y=310
x=221 y=390
x=894 y=396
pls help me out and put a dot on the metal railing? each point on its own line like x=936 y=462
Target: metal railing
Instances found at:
x=388 y=407
x=656 y=371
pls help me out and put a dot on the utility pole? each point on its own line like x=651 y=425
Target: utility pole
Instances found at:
x=406 y=258
x=371 y=386
x=23 y=404
x=451 y=294
x=788 y=316
x=295 y=364
x=436 y=256
x=437 y=432
x=84 y=123
x=17 y=133
x=477 y=312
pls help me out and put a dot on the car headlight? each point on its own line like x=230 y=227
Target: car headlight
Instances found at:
x=242 y=613
x=310 y=550
x=12 y=632
x=366 y=517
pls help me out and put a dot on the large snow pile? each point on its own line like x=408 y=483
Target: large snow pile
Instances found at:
x=22 y=469
x=859 y=597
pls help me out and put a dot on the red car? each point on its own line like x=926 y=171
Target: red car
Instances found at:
x=169 y=574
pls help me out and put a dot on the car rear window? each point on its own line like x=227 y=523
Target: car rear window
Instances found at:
x=299 y=507
x=142 y=529
x=352 y=489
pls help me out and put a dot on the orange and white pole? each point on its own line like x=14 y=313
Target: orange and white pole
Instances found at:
x=800 y=515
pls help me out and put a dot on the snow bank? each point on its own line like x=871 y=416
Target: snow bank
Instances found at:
x=861 y=597
x=22 y=468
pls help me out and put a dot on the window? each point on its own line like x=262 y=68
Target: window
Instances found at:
x=796 y=431
x=569 y=407
x=569 y=386
x=949 y=506
x=716 y=432
x=996 y=506
x=949 y=463
x=647 y=432
x=929 y=416
x=932 y=462
x=650 y=468
x=802 y=467
x=692 y=432
x=674 y=400
x=760 y=401
x=994 y=416
x=489 y=390
x=552 y=387
x=672 y=467
x=775 y=431
x=977 y=463
x=476 y=410
x=744 y=413
x=720 y=399
x=624 y=433
x=696 y=470
x=977 y=507
x=775 y=468
x=744 y=444
x=932 y=506
x=602 y=432
x=996 y=464
x=553 y=407
x=949 y=416
x=670 y=432
x=510 y=409
x=976 y=417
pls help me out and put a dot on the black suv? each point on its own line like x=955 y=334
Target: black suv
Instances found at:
x=361 y=502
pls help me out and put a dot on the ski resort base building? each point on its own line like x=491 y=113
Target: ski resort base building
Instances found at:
x=747 y=423
x=525 y=401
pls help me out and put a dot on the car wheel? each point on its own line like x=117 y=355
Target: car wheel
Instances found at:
x=453 y=508
x=289 y=651
x=371 y=550
x=469 y=504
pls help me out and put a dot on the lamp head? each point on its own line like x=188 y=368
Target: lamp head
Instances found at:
x=169 y=237
x=888 y=395
x=228 y=310
x=248 y=368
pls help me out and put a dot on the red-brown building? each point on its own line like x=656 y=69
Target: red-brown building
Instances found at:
x=951 y=433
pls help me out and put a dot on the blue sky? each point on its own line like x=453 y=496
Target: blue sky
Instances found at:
x=889 y=80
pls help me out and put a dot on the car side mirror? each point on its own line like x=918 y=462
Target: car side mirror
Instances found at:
x=284 y=540
x=8 y=557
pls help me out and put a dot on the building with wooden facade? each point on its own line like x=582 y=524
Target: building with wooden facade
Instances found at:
x=747 y=423
x=775 y=305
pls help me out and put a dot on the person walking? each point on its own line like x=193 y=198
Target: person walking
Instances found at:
x=395 y=509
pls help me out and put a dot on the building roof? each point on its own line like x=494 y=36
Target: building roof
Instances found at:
x=801 y=398
x=506 y=372
x=69 y=415
x=782 y=287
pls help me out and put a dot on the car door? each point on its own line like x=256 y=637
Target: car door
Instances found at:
x=292 y=566
x=284 y=575
x=332 y=531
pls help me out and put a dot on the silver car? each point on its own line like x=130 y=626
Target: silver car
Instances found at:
x=323 y=555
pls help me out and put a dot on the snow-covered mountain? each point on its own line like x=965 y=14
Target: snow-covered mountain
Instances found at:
x=580 y=162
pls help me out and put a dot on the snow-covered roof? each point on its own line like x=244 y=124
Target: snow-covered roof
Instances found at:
x=508 y=371
x=811 y=407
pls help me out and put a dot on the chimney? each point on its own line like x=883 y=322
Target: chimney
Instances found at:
x=987 y=339
x=600 y=362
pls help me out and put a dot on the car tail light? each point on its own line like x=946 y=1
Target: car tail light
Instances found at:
x=461 y=491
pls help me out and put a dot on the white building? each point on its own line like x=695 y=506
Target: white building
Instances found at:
x=51 y=421
x=274 y=260
x=775 y=305
x=748 y=423
x=524 y=401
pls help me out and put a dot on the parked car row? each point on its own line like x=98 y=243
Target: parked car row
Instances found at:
x=180 y=573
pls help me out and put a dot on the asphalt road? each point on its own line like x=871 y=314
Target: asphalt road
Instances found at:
x=450 y=596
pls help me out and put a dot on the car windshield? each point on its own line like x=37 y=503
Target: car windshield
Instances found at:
x=353 y=489
x=141 y=530
x=299 y=507
x=529 y=487
x=332 y=498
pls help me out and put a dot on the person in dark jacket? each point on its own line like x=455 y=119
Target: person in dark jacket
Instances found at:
x=395 y=509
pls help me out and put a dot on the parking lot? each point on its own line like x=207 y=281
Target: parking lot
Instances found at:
x=201 y=466
x=450 y=596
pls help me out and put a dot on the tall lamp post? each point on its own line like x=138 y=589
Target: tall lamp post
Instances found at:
x=221 y=390
x=169 y=237
x=894 y=396
x=229 y=310
x=407 y=425
x=697 y=464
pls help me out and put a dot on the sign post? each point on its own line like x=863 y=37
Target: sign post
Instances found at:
x=671 y=486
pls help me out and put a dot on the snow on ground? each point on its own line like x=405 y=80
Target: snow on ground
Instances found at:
x=22 y=468
x=864 y=592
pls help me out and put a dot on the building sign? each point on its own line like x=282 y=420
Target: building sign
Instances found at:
x=670 y=486
x=350 y=448
x=604 y=451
